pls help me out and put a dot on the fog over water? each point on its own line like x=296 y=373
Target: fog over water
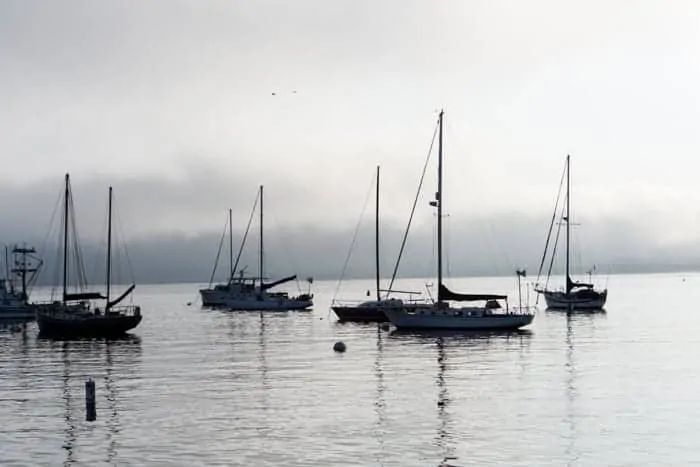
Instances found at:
x=187 y=107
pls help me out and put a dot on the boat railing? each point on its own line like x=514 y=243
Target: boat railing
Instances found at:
x=522 y=310
x=82 y=308
x=125 y=310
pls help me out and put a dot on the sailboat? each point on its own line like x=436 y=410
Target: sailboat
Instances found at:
x=576 y=295
x=371 y=310
x=77 y=314
x=253 y=293
x=216 y=296
x=493 y=314
x=14 y=298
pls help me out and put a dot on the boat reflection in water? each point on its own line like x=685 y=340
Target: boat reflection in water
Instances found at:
x=453 y=343
x=380 y=402
x=103 y=360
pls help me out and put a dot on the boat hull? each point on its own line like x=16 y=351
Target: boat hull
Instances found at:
x=267 y=304
x=213 y=297
x=23 y=312
x=590 y=301
x=64 y=325
x=360 y=313
x=252 y=302
x=467 y=318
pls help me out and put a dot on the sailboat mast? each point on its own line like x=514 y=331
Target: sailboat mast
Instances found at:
x=7 y=268
x=261 y=239
x=230 y=243
x=376 y=236
x=438 y=198
x=109 y=246
x=23 y=271
x=568 y=221
x=65 y=237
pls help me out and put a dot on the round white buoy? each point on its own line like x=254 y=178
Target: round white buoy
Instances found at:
x=385 y=326
x=339 y=346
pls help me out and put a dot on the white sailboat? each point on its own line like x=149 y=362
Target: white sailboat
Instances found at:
x=493 y=314
x=253 y=293
x=576 y=295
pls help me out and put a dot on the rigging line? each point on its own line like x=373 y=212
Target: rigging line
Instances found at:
x=245 y=236
x=354 y=238
x=218 y=253
x=121 y=238
x=82 y=273
x=551 y=226
x=51 y=221
x=413 y=210
x=99 y=246
x=49 y=233
x=554 y=250
x=287 y=250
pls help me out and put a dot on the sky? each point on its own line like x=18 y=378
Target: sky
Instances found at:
x=186 y=107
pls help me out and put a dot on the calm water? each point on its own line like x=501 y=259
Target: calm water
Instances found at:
x=202 y=387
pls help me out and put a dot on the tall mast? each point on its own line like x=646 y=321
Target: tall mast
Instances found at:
x=261 y=239
x=109 y=245
x=65 y=237
x=230 y=242
x=7 y=270
x=22 y=271
x=438 y=199
x=568 y=221
x=376 y=236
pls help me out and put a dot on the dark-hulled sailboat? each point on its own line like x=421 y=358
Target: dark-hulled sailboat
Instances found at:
x=77 y=314
x=370 y=311
x=576 y=295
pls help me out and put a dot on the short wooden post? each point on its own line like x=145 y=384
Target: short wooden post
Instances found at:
x=90 y=412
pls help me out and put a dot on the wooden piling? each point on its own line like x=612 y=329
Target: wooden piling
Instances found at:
x=90 y=411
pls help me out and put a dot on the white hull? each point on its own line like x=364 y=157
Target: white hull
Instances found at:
x=431 y=317
x=214 y=297
x=573 y=302
x=252 y=301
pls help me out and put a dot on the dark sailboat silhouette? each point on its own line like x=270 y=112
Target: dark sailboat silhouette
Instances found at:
x=576 y=295
x=77 y=313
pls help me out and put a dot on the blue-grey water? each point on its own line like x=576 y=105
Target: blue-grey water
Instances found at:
x=208 y=387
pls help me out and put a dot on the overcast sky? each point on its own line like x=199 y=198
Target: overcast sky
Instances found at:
x=185 y=107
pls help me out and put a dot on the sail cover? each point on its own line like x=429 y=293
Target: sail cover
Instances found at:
x=278 y=282
x=83 y=296
x=446 y=294
x=570 y=284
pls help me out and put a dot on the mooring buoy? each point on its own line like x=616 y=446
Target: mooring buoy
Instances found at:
x=339 y=346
